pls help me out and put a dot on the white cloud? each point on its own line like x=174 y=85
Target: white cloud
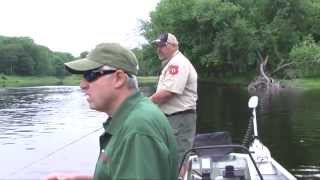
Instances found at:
x=74 y=25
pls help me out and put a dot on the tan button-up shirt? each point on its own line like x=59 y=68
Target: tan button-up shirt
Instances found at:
x=180 y=77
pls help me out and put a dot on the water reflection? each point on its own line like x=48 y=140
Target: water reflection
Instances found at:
x=288 y=123
x=306 y=127
x=38 y=121
x=20 y=110
x=35 y=122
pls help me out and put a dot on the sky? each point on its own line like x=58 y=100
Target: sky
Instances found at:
x=75 y=26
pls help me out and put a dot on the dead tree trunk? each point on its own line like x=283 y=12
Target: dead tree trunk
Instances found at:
x=263 y=83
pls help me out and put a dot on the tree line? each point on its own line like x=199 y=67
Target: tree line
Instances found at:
x=222 y=38
x=227 y=37
x=21 y=56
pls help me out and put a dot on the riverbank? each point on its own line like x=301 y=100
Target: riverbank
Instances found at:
x=74 y=80
x=23 y=81
x=307 y=83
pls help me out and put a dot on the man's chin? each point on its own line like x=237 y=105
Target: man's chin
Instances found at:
x=161 y=58
x=92 y=106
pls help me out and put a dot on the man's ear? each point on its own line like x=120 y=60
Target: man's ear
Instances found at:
x=120 y=79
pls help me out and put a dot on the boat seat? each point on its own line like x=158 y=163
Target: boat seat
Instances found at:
x=209 y=139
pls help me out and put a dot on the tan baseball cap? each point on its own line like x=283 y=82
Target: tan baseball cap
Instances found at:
x=110 y=54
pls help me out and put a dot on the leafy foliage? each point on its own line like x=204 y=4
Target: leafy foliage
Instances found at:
x=306 y=56
x=21 y=56
x=222 y=37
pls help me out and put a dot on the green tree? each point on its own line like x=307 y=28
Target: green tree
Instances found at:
x=20 y=55
x=306 y=58
x=221 y=37
x=148 y=61
x=9 y=55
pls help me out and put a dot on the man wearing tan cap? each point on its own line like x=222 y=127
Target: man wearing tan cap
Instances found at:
x=138 y=142
x=176 y=92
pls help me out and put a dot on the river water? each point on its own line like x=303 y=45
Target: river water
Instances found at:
x=51 y=129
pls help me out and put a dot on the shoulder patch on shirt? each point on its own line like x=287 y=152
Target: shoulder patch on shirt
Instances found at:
x=173 y=69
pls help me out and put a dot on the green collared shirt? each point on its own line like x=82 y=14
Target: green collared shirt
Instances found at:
x=138 y=143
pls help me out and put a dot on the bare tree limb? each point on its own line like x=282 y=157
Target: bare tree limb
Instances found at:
x=282 y=67
x=262 y=65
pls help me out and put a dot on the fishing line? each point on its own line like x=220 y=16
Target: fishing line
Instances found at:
x=53 y=152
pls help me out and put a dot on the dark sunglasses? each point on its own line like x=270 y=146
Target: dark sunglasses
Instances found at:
x=92 y=75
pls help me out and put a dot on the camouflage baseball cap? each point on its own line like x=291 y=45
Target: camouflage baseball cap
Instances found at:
x=166 y=38
x=110 y=54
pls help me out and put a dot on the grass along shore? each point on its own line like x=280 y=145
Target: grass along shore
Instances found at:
x=73 y=80
x=307 y=83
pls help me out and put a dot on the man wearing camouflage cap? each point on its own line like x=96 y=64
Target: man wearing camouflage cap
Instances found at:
x=138 y=142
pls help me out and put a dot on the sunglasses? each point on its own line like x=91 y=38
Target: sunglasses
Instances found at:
x=93 y=75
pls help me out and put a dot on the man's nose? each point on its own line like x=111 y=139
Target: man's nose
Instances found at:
x=84 y=84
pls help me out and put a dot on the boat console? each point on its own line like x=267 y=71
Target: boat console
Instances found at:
x=214 y=157
x=229 y=167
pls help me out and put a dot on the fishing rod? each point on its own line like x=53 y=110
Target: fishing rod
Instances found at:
x=53 y=152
